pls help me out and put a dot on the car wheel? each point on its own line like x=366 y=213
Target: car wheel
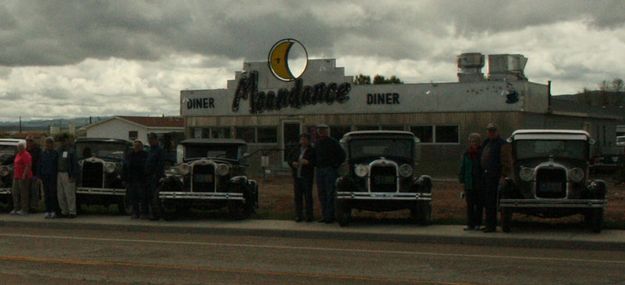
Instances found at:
x=239 y=210
x=343 y=214
x=597 y=220
x=506 y=219
x=124 y=207
x=422 y=214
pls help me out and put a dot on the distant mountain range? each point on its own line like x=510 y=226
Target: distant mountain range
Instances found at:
x=44 y=125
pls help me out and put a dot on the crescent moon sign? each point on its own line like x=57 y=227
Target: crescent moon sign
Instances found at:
x=279 y=59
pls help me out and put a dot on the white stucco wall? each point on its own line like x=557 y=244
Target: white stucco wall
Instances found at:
x=117 y=129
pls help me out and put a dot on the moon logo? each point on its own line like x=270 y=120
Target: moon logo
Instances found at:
x=288 y=59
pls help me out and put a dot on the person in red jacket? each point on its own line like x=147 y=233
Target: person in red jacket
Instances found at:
x=22 y=174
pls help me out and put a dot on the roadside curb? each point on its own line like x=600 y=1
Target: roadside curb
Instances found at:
x=438 y=234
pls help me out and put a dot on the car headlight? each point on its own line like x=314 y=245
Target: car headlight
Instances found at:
x=361 y=170
x=109 y=167
x=576 y=174
x=80 y=163
x=526 y=173
x=183 y=169
x=405 y=170
x=4 y=171
x=343 y=169
x=222 y=169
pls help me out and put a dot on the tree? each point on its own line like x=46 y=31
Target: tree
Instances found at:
x=379 y=79
x=362 y=79
x=618 y=85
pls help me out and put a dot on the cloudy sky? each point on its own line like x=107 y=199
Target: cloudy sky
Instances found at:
x=93 y=58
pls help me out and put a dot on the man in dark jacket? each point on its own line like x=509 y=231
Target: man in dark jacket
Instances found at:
x=35 y=152
x=134 y=176
x=303 y=175
x=154 y=168
x=47 y=172
x=66 y=177
x=495 y=163
x=329 y=155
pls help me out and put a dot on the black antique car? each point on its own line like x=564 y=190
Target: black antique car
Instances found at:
x=100 y=167
x=379 y=176
x=8 y=148
x=211 y=176
x=551 y=178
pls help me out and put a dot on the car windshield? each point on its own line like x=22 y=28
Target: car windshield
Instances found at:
x=6 y=153
x=573 y=149
x=383 y=147
x=115 y=151
x=227 y=151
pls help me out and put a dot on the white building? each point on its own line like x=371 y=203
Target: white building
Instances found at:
x=134 y=127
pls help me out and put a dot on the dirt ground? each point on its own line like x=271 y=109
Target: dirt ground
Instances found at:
x=276 y=202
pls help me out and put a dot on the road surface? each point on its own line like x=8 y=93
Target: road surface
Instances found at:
x=64 y=256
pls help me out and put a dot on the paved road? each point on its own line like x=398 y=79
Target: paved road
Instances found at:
x=62 y=256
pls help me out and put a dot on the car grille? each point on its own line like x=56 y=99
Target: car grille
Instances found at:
x=551 y=183
x=383 y=179
x=203 y=178
x=92 y=174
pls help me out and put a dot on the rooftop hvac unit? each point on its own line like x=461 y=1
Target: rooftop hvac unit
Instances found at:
x=470 y=67
x=506 y=67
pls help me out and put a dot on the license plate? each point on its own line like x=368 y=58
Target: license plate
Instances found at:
x=203 y=178
x=380 y=195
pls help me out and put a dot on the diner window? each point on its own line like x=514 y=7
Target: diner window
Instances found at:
x=367 y=128
x=220 y=133
x=267 y=135
x=337 y=132
x=133 y=135
x=446 y=134
x=247 y=134
x=424 y=133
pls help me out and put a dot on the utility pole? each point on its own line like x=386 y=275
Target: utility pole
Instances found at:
x=20 y=126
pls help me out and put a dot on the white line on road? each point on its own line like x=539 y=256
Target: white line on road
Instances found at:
x=287 y=247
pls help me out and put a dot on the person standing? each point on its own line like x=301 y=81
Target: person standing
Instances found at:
x=48 y=173
x=154 y=169
x=329 y=155
x=66 y=178
x=22 y=175
x=134 y=176
x=303 y=176
x=35 y=185
x=471 y=176
x=495 y=163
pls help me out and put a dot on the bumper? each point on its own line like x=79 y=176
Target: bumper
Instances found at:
x=101 y=191
x=5 y=191
x=391 y=196
x=552 y=203
x=224 y=196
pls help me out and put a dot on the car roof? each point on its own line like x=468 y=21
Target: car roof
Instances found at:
x=11 y=141
x=550 y=134
x=111 y=140
x=213 y=141
x=379 y=133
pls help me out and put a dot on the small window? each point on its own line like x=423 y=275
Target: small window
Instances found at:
x=133 y=135
x=267 y=135
x=220 y=133
x=424 y=133
x=446 y=134
x=246 y=133
x=337 y=132
x=367 y=128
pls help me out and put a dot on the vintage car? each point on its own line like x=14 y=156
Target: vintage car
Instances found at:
x=379 y=176
x=100 y=167
x=551 y=178
x=8 y=148
x=210 y=176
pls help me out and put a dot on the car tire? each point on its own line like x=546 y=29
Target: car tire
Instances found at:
x=506 y=219
x=124 y=207
x=343 y=214
x=597 y=220
x=240 y=211
x=422 y=214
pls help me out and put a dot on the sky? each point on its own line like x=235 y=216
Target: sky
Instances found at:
x=61 y=59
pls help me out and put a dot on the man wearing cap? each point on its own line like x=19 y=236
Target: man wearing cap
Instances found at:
x=303 y=176
x=134 y=176
x=48 y=173
x=154 y=169
x=496 y=163
x=329 y=155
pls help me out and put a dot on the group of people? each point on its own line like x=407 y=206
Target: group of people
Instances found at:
x=484 y=167
x=52 y=169
x=322 y=160
x=55 y=171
